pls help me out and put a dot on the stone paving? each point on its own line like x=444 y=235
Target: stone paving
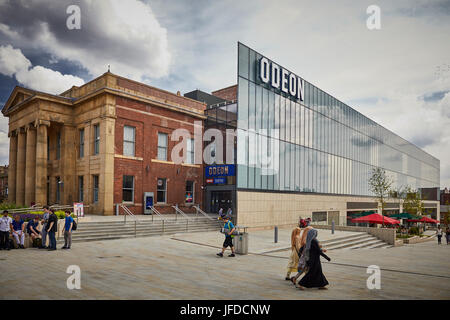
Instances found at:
x=185 y=266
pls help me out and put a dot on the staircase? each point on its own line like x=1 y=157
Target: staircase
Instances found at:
x=96 y=231
x=359 y=241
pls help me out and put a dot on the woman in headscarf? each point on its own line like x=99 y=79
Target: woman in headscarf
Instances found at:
x=300 y=266
x=314 y=278
x=295 y=247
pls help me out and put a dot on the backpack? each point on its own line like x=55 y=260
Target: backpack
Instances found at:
x=11 y=244
x=74 y=225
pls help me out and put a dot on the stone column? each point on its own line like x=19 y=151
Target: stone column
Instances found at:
x=41 y=163
x=20 y=172
x=12 y=167
x=68 y=161
x=30 y=165
x=106 y=187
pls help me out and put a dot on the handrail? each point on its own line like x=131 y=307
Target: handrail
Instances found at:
x=127 y=212
x=157 y=213
x=197 y=208
x=180 y=212
x=40 y=208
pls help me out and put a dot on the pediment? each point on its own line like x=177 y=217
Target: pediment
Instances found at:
x=17 y=96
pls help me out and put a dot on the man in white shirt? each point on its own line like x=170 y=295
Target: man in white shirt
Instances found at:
x=5 y=227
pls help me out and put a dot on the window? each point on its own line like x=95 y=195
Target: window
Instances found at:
x=128 y=140
x=58 y=146
x=189 y=191
x=80 y=188
x=190 y=151
x=96 y=139
x=128 y=189
x=162 y=146
x=81 y=151
x=319 y=216
x=58 y=189
x=161 y=191
x=95 y=188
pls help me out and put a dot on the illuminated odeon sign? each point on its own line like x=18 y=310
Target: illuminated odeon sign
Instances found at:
x=281 y=79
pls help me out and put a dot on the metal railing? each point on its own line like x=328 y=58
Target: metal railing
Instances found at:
x=127 y=212
x=56 y=207
x=157 y=213
x=197 y=209
x=178 y=211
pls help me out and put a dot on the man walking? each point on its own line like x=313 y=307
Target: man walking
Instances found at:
x=439 y=234
x=68 y=224
x=52 y=228
x=18 y=231
x=44 y=227
x=5 y=227
x=228 y=229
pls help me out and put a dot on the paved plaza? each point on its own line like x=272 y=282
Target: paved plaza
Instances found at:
x=185 y=266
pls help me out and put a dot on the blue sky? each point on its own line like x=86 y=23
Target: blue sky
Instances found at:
x=398 y=75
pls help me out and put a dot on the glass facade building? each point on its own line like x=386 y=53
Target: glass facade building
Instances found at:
x=315 y=145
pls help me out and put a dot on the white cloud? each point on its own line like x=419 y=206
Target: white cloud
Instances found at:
x=14 y=63
x=123 y=34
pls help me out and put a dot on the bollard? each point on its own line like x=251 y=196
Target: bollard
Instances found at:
x=276 y=234
x=332 y=227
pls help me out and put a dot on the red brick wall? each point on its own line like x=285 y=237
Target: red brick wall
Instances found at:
x=229 y=93
x=147 y=128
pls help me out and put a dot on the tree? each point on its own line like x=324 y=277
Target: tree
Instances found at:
x=413 y=201
x=380 y=185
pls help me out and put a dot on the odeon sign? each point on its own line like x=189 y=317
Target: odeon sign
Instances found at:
x=281 y=79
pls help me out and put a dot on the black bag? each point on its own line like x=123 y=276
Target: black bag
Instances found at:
x=37 y=242
x=11 y=244
x=74 y=225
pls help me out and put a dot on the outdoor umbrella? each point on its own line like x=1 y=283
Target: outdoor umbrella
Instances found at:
x=376 y=218
x=404 y=215
x=424 y=219
x=362 y=214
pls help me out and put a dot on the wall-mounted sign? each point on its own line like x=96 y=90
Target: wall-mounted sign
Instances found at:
x=280 y=78
x=220 y=180
x=209 y=180
x=78 y=209
x=220 y=170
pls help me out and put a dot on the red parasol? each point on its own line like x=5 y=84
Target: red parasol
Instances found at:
x=424 y=219
x=376 y=218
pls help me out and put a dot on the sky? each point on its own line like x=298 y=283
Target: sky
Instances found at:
x=397 y=75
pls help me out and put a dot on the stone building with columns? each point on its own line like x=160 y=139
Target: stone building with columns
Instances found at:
x=100 y=144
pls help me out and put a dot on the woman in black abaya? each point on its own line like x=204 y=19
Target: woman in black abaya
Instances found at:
x=314 y=278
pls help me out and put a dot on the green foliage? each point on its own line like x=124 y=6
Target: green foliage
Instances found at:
x=9 y=205
x=414 y=231
x=412 y=202
x=380 y=185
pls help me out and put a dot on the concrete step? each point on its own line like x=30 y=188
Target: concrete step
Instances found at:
x=342 y=243
x=127 y=235
x=99 y=227
x=140 y=230
x=351 y=243
x=351 y=237
x=362 y=245
x=382 y=245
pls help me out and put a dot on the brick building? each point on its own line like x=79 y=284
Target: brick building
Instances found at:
x=103 y=143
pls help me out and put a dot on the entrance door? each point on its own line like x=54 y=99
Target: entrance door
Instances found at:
x=333 y=215
x=221 y=199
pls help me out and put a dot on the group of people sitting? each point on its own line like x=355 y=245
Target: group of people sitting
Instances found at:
x=305 y=258
x=38 y=229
